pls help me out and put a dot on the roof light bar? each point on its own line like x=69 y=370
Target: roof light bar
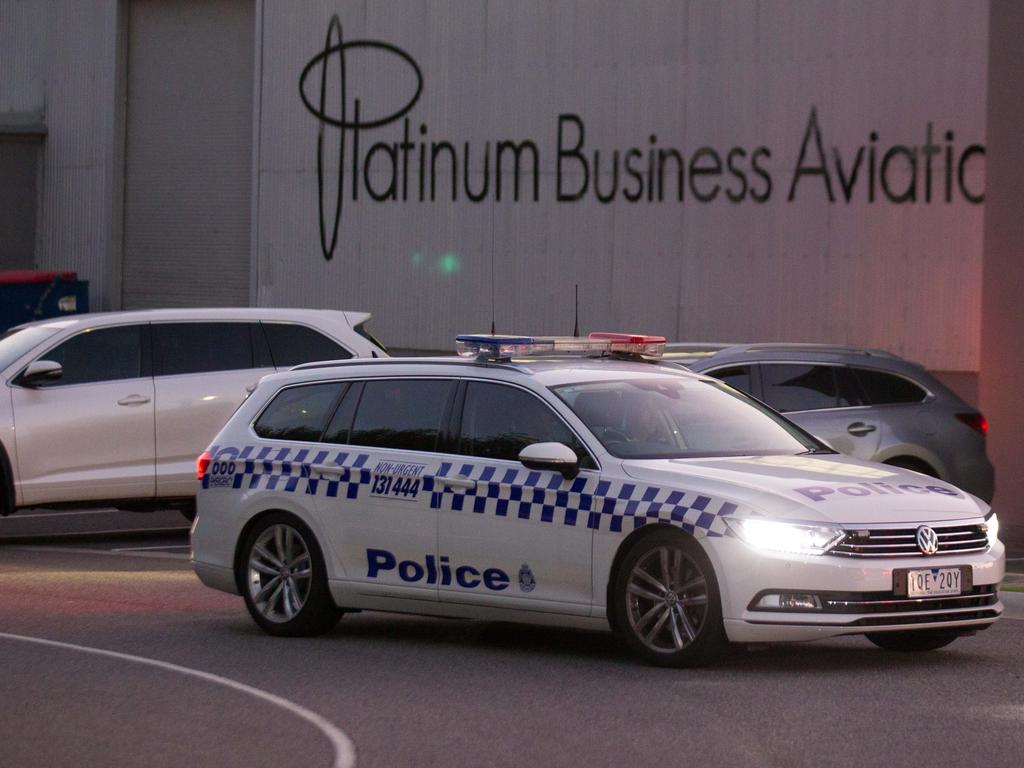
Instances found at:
x=492 y=347
x=632 y=343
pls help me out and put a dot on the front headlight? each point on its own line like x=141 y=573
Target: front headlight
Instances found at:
x=992 y=526
x=786 y=537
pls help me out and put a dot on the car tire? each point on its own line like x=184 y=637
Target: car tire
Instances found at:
x=673 y=624
x=913 y=642
x=284 y=579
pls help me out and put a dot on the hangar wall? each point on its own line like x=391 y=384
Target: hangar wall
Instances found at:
x=710 y=171
x=1002 y=347
x=58 y=68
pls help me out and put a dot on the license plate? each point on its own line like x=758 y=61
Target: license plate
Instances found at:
x=931 y=582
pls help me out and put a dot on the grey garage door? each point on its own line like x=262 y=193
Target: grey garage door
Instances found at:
x=188 y=153
x=19 y=199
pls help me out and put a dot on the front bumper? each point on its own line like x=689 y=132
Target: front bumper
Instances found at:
x=856 y=593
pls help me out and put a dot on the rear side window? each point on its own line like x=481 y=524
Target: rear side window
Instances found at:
x=299 y=413
x=791 y=387
x=180 y=348
x=737 y=377
x=401 y=413
x=885 y=389
x=499 y=421
x=102 y=354
x=292 y=344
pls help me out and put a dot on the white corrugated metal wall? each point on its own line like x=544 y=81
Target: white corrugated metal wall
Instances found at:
x=188 y=153
x=739 y=73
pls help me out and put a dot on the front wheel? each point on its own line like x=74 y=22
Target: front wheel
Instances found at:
x=925 y=640
x=665 y=602
x=285 y=579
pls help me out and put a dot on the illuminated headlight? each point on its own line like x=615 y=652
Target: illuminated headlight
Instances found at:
x=992 y=529
x=786 y=537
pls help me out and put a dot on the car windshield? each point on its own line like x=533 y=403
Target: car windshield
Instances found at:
x=17 y=341
x=668 y=418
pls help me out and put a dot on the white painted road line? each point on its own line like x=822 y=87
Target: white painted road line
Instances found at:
x=344 y=750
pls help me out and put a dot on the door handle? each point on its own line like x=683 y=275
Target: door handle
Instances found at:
x=458 y=482
x=133 y=400
x=859 y=428
x=330 y=471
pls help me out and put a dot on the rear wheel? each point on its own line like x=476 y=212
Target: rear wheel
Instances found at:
x=926 y=640
x=666 y=605
x=285 y=579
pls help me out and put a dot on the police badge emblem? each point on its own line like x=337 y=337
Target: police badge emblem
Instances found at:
x=526 y=580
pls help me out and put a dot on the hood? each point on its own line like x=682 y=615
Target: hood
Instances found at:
x=825 y=488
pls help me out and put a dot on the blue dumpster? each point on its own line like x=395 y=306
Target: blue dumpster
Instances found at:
x=29 y=295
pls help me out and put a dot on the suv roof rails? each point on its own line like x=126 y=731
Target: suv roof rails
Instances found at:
x=710 y=349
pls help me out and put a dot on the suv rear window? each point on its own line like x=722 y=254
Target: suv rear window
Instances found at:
x=886 y=389
x=180 y=348
x=299 y=413
x=405 y=414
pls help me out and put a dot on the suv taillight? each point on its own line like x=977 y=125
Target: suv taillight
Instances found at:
x=975 y=421
x=202 y=464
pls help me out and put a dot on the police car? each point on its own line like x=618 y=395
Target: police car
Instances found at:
x=578 y=482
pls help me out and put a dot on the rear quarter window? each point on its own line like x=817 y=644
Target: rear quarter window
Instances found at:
x=882 y=388
x=292 y=344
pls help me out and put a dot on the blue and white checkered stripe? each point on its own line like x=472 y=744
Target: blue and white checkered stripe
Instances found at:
x=287 y=470
x=600 y=505
x=511 y=493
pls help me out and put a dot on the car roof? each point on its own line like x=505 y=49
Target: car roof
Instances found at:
x=546 y=371
x=350 y=318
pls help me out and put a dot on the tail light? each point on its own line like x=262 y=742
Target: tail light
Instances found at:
x=975 y=421
x=202 y=464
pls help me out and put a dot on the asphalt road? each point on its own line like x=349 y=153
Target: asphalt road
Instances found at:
x=402 y=691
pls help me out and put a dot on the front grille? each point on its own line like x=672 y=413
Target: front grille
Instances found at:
x=887 y=602
x=902 y=542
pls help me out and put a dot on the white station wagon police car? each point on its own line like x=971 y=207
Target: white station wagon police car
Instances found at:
x=578 y=482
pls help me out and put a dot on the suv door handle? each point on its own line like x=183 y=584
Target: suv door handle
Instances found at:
x=133 y=400
x=330 y=471
x=859 y=428
x=458 y=482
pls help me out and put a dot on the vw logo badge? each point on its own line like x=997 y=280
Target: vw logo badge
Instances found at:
x=927 y=540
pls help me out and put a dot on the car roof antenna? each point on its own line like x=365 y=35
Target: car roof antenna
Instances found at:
x=576 y=326
x=492 y=283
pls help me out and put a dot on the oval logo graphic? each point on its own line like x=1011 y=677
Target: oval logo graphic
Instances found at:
x=927 y=540
x=335 y=52
x=526 y=580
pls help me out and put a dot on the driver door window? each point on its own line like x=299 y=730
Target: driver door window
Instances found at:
x=499 y=421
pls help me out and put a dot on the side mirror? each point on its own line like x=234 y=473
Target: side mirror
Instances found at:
x=40 y=372
x=556 y=457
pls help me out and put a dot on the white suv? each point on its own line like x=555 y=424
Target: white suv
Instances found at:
x=579 y=490
x=112 y=408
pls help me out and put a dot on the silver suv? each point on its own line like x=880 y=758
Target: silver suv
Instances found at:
x=864 y=402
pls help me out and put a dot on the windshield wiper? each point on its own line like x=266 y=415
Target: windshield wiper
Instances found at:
x=817 y=452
